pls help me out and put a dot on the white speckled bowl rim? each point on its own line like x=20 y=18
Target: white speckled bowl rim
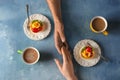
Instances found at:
x=86 y=62
x=41 y=35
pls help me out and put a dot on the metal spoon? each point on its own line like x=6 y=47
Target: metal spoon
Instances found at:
x=101 y=56
x=27 y=10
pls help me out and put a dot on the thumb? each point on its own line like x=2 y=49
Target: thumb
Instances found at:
x=59 y=65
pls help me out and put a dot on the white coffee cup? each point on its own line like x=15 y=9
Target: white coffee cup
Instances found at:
x=30 y=55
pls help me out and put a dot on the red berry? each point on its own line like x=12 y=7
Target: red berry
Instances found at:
x=88 y=49
x=35 y=30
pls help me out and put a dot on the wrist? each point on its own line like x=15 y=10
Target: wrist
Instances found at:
x=57 y=20
x=72 y=78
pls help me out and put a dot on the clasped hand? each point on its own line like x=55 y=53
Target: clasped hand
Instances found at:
x=59 y=36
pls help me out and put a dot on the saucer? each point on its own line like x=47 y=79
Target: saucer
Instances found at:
x=87 y=62
x=40 y=35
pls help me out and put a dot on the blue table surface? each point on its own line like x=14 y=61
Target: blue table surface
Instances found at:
x=76 y=17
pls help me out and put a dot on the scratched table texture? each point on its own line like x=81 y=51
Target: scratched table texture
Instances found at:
x=76 y=17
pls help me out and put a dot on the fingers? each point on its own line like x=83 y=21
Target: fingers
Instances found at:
x=59 y=38
x=58 y=42
x=59 y=27
x=58 y=48
x=59 y=65
x=66 y=55
x=63 y=54
x=65 y=44
x=62 y=36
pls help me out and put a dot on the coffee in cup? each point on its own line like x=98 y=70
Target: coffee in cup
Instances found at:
x=99 y=25
x=30 y=55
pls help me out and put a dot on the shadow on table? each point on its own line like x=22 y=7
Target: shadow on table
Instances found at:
x=103 y=54
x=114 y=26
x=77 y=69
x=45 y=56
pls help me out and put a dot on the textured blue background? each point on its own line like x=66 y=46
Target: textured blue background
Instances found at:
x=76 y=17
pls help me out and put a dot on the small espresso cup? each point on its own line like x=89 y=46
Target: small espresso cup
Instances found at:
x=99 y=24
x=30 y=55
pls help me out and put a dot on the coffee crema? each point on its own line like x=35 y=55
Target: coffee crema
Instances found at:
x=98 y=24
x=30 y=55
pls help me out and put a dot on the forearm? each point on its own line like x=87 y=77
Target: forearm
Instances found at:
x=55 y=8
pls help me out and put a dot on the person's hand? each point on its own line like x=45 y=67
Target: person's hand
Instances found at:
x=67 y=67
x=59 y=36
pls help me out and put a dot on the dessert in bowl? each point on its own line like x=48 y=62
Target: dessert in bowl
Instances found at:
x=87 y=52
x=39 y=27
x=36 y=26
